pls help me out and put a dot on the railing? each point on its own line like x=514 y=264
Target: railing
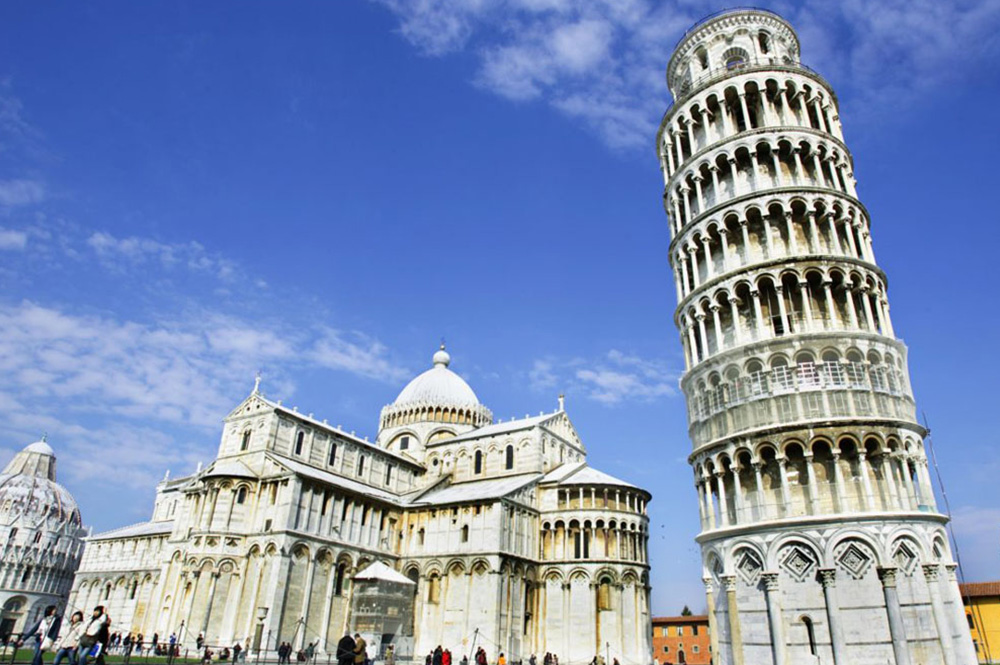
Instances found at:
x=731 y=10
x=784 y=395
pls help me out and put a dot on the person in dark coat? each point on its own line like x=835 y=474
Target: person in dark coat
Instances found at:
x=345 y=650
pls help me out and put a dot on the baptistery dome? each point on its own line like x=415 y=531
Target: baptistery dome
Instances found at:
x=41 y=538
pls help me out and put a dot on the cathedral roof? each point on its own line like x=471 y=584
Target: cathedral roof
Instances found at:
x=136 y=530
x=438 y=386
x=476 y=490
x=580 y=474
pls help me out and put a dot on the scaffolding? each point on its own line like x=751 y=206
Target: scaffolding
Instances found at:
x=382 y=611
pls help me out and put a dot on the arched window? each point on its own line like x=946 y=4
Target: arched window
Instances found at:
x=300 y=440
x=131 y=593
x=241 y=495
x=38 y=536
x=13 y=533
x=604 y=594
x=338 y=580
x=404 y=443
x=465 y=533
x=434 y=588
x=764 y=42
x=509 y=458
x=361 y=465
x=735 y=58
x=811 y=633
x=478 y=462
x=333 y=454
x=246 y=440
x=681 y=658
x=420 y=536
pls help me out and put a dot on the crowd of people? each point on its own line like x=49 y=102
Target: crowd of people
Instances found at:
x=79 y=642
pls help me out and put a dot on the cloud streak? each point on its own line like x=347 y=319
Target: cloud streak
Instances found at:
x=611 y=380
x=602 y=62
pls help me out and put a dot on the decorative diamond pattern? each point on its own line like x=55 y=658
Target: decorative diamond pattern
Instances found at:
x=748 y=566
x=797 y=562
x=855 y=561
x=905 y=557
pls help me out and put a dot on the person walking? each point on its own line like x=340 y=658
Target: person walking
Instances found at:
x=69 y=637
x=345 y=650
x=502 y=660
x=360 y=650
x=96 y=632
x=438 y=656
x=44 y=632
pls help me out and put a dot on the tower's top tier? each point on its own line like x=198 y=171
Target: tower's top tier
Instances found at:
x=730 y=40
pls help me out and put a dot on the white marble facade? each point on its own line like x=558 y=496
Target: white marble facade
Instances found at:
x=510 y=537
x=820 y=534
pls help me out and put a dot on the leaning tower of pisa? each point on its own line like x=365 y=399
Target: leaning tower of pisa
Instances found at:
x=820 y=535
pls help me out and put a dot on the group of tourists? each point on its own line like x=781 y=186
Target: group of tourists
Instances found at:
x=76 y=640
x=352 y=650
x=306 y=655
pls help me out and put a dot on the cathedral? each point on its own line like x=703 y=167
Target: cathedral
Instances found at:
x=450 y=529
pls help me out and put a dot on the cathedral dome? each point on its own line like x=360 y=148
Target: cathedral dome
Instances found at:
x=438 y=386
x=436 y=396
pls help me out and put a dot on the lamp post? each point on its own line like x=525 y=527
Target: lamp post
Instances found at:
x=261 y=616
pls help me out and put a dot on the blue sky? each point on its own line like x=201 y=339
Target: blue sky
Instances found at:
x=190 y=192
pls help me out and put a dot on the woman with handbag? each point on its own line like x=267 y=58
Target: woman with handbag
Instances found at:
x=95 y=633
x=69 y=638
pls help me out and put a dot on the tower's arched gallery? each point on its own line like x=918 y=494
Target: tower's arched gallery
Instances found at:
x=449 y=528
x=820 y=535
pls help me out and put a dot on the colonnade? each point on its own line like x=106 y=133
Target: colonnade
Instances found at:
x=770 y=307
x=737 y=240
x=596 y=540
x=771 y=100
x=749 y=168
x=742 y=486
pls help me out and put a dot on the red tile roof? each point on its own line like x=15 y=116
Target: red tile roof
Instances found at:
x=693 y=618
x=979 y=589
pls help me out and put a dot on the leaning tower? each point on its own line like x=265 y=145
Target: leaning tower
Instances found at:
x=820 y=535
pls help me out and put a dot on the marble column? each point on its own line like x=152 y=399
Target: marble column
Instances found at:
x=828 y=578
x=735 y=629
x=965 y=649
x=900 y=647
x=713 y=624
x=940 y=617
x=775 y=619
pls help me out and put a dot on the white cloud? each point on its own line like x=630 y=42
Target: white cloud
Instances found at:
x=603 y=61
x=20 y=192
x=13 y=240
x=125 y=390
x=622 y=377
x=976 y=532
x=612 y=379
x=120 y=253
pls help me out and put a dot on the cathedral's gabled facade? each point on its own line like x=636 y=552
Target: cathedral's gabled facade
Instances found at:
x=450 y=529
